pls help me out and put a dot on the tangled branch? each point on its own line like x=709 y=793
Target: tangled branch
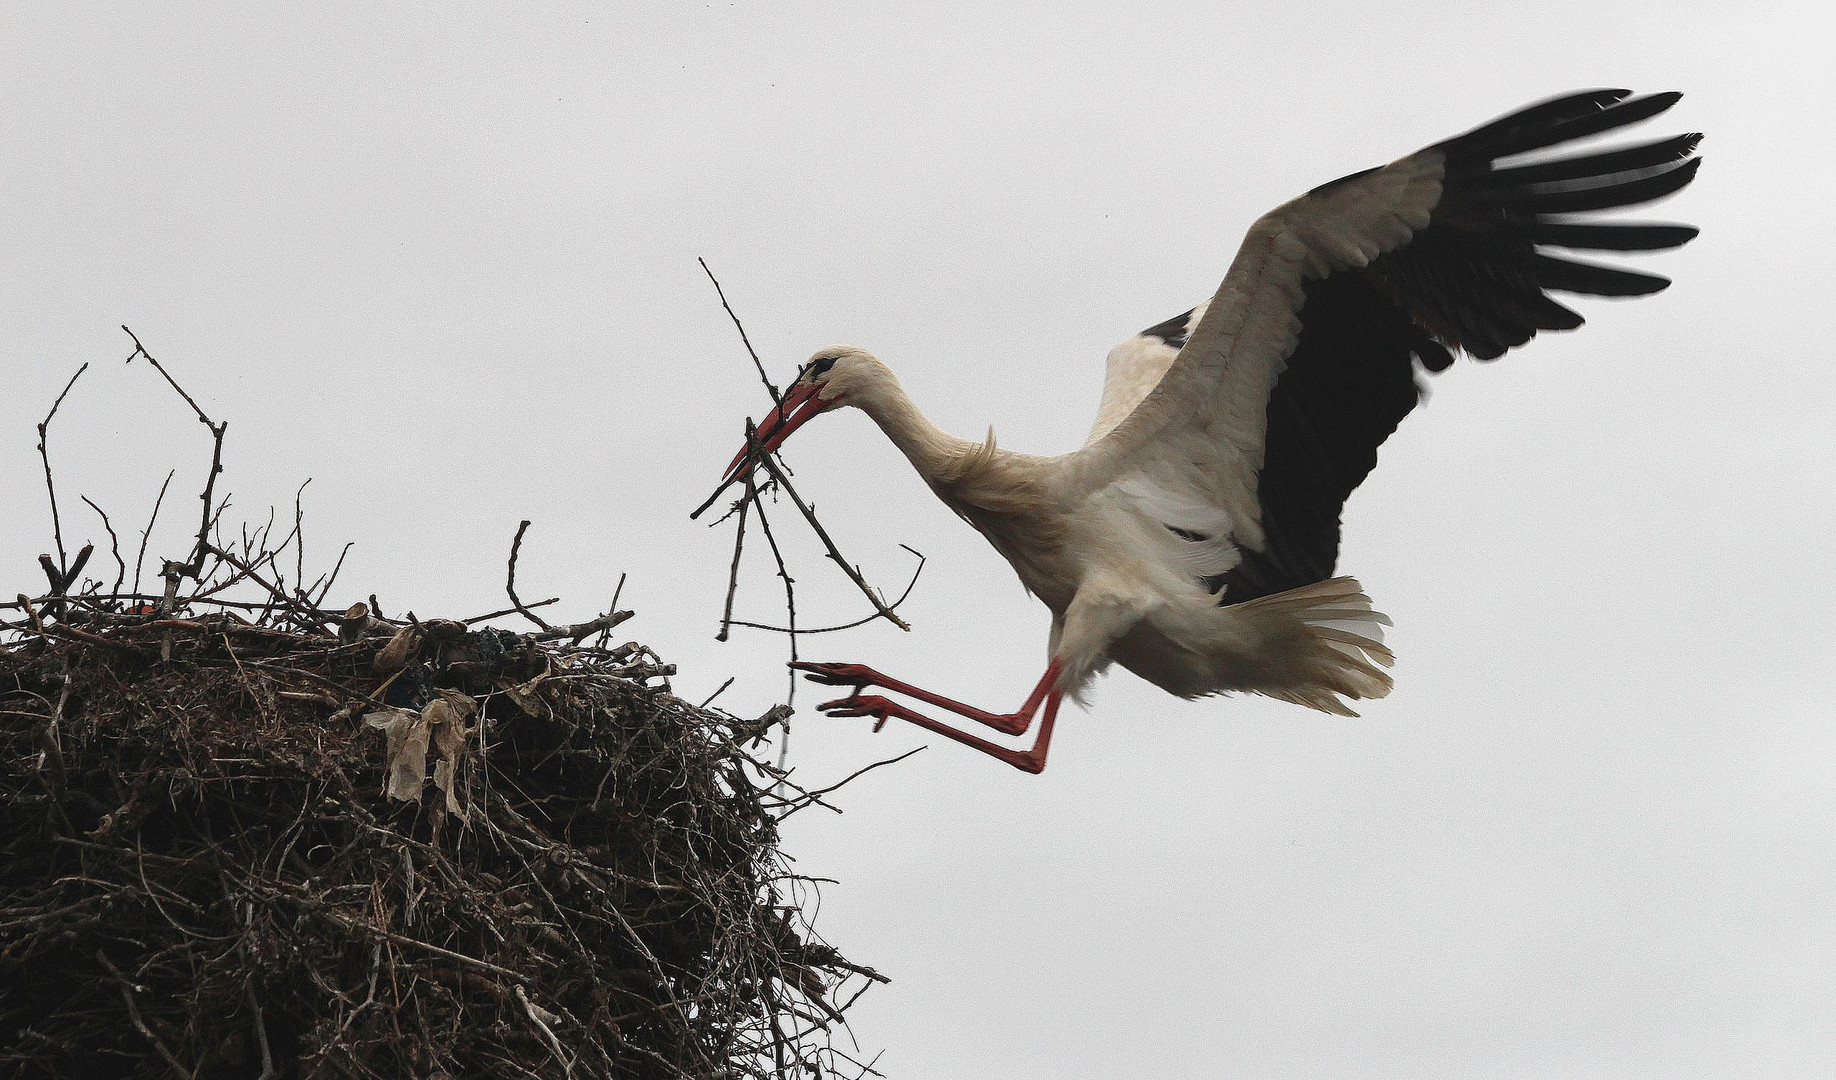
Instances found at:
x=749 y=503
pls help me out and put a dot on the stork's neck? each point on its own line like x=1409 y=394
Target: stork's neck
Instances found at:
x=929 y=448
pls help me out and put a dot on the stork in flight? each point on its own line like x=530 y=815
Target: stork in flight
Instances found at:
x=1192 y=539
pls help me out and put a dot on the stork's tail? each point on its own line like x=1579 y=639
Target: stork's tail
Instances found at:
x=1333 y=644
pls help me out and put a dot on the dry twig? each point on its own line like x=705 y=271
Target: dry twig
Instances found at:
x=57 y=529
x=854 y=574
x=114 y=545
x=755 y=456
x=737 y=325
x=516 y=546
x=739 y=545
x=195 y=565
x=141 y=558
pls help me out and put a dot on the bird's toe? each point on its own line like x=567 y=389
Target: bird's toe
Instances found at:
x=859 y=705
x=835 y=674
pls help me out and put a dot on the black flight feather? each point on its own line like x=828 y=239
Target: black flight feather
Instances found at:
x=1474 y=279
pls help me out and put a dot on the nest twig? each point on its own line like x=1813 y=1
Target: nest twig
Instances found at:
x=243 y=835
x=200 y=865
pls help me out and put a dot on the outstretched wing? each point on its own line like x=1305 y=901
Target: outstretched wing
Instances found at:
x=1282 y=387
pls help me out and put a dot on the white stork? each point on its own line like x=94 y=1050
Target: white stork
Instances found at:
x=1192 y=539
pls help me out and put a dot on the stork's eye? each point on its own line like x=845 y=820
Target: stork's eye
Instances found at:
x=819 y=367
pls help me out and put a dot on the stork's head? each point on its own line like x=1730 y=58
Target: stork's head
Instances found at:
x=837 y=375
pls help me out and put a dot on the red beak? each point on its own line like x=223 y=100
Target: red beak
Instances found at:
x=798 y=406
x=796 y=410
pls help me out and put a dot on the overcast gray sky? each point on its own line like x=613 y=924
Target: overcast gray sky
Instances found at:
x=442 y=261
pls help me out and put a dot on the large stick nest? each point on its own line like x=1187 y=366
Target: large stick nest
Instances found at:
x=246 y=849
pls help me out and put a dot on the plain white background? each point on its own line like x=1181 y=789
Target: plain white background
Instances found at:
x=441 y=260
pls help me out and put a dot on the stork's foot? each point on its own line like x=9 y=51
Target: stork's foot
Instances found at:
x=839 y=674
x=860 y=676
x=882 y=709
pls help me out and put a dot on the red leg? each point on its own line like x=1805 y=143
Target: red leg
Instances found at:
x=859 y=675
x=1031 y=760
x=882 y=709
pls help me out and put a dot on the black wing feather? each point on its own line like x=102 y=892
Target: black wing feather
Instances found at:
x=1534 y=118
x=1348 y=384
x=1526 y=130
x=1173 y=331
x=1571 y=198
x=1609 y=237
x=1644 y=156
x=1473 y=280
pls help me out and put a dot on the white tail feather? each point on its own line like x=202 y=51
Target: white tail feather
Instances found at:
x=1332 y=644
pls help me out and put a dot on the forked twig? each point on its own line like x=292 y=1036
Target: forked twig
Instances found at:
x=61 y=580
x=195 y=566
x=333 y=576
x=814 y=795
x=57 y=529
x=854 y=575
x=863 y=621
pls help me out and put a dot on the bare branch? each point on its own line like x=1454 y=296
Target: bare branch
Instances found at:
x=516 y=546
x=744 y=340
x=709 y=700
x=333 y=576
x=709 y=501
x=790 y=592
x=306 y=614
x=53 y=575
x=854 y=575
x=195 y=566
x=581 y=630
x=506 y=611
x=57 y=529
x=114 y=545
x=299 y=541
x=141 y=558
x=739 y=541
x=812 y=796
x=605 y=636
x=894 y=606
x=76 y=567
x=141 y=350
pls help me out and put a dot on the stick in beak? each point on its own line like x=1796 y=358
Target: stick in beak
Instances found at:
x=796 y=410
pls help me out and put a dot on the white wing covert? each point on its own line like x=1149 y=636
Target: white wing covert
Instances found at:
x=1135 y=367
